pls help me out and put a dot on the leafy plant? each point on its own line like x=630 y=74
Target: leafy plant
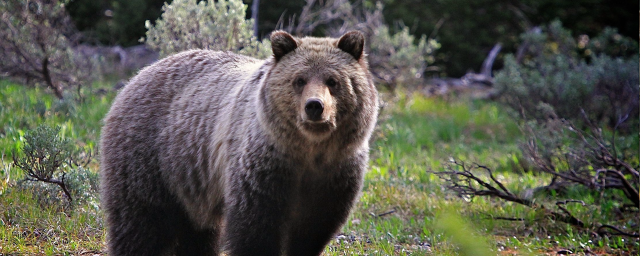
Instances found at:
x=400 y=58
x=549 y=78
x=215 y=25
x=570 y=111
x=46 y=157
x=36 y=40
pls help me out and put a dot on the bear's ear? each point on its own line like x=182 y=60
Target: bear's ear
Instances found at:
x=353 y=43
x=282 y=43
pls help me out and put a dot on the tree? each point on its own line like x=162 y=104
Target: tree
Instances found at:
x=36 y=39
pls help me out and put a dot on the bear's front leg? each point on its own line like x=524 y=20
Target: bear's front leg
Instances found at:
x=255 y=211
x=323 y=207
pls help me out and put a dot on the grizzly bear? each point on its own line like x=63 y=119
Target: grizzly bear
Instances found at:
x=205 y=151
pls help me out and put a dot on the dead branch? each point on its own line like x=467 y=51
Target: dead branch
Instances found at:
x=468 y=184
x=508 y=218
x=462 y=179
x=386 y=213
x=602 y=231
x=487 y=64
x=470 y=81
x=592 y=162
x=338 y=16
x=567 y=214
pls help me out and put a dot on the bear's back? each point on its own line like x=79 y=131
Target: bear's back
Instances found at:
x=168 y=111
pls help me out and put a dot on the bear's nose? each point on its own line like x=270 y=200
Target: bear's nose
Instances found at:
x=314 y=108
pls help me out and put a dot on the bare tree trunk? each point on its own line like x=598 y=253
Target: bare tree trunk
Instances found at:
x=47 y=78
x=254 y=15
x=487 y=65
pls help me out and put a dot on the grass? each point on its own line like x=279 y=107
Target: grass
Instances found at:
x=404 y=209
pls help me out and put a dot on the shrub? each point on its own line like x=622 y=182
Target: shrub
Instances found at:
x=609 y=42
x=551 y=79
x=81 y=183
x=36 y=39
x=47 y=157
x=46 y=154
x=553 y=88
x=84 y=185
x=215 y=25
x=394 y=58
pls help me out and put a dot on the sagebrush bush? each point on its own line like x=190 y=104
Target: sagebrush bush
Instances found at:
x=399 y=59
x=36 y=45
x=47 y=158
x=215 y=25
x=608 y=42
x=84 y=185
x=552 y=80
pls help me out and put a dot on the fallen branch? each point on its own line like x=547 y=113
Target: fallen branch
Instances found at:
x=385 y=213
x=590 y=161
x=465 y=181
x=602 y=231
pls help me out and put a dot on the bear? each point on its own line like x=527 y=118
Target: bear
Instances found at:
x=205 y=152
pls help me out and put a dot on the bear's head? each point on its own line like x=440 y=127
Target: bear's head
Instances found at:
x=320 y=85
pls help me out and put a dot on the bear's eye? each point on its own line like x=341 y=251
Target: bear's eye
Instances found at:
x=331 y=82
x=300 y=82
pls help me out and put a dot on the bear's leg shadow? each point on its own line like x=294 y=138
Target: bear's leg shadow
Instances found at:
x=197 y=242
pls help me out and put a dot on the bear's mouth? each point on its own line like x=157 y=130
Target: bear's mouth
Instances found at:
x=318 y=127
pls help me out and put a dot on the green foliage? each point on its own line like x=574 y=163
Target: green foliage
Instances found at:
x=36 y=40
x=215 y=25
x=45 y=153
x=609 y=42
x=28 y=228
x=82 y=184
x=25 y=109
x=48 y=157
x=466 y=29
x=35 y=217
x=399 y=59
x=551 y=80
x=578 y=110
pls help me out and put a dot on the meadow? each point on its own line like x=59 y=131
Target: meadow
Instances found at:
x=405 y=208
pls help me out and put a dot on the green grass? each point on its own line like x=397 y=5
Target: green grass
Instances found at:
x=404 y=209
x=23 y=109
x=32 y=222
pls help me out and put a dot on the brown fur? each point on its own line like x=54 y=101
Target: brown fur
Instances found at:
x=203 y=145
